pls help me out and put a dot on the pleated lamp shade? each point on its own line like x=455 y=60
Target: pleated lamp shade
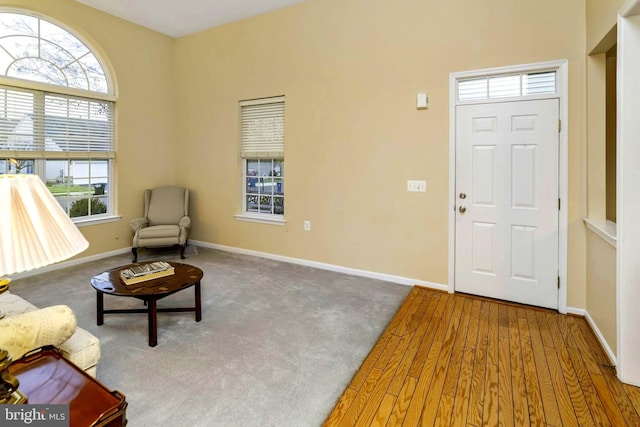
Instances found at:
x=34 y=229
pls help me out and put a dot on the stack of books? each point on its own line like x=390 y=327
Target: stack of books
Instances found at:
x=143 y=272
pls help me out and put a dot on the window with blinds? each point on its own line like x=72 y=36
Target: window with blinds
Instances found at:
x=262 y=128
x=262 y=153
x=56 y=125
x=56 y=114
x=505 y=86
x=67 y=140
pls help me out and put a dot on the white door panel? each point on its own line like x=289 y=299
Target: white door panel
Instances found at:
x=506 y=243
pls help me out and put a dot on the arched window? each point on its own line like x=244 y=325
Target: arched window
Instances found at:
x=56 y=113
x=34 y=49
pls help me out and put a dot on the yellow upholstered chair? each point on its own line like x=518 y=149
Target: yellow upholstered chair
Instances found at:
x=166 y=220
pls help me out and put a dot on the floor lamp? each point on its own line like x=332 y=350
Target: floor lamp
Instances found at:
x=34 y=231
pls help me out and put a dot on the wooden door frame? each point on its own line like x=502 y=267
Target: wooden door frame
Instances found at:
x=562 y=94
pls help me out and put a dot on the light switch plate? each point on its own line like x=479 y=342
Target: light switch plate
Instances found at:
x=422 y=101
x=417 y=186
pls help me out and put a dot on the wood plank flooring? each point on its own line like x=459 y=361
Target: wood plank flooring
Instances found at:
x=456 y=360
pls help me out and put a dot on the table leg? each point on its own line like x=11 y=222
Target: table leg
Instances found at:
x=198 y=303
x=100 y=308
x=153 y=322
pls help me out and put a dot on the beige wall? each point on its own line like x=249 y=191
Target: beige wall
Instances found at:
x=611 y=133
x=350 y=71
x=601 y=287
x=142 y=64
x=601 y=18
x=596 y=136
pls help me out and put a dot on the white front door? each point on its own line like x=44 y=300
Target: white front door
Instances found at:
x=506 y=235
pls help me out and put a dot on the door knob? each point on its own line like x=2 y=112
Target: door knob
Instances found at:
x=462 y=209
x=463 y=196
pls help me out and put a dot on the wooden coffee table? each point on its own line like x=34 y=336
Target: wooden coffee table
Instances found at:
x=150 y=292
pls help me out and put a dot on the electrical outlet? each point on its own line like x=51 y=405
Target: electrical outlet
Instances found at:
x=307 y=225
x=419 y=186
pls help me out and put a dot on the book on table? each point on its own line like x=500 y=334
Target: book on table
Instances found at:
x=144 y=272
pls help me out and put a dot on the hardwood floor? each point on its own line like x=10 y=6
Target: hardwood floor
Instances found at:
x=456 y=360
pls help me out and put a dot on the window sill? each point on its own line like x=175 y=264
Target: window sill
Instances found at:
x=96 y=221
x=263 y=219
x=607 y=230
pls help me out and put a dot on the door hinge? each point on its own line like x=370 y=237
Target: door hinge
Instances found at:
x=558 y=204
x=559 y=125
x=558 y=282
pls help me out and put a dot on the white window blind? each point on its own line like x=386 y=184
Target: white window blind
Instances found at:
x=473 y=89
x=535 y=83
x=262 y=128
x=504 y=86
x=59 y=125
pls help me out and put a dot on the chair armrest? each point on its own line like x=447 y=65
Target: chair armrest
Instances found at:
x=24 y=332
x=138 y=223
x=185 y=222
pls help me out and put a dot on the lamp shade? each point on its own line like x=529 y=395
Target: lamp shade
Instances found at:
x=34 y=229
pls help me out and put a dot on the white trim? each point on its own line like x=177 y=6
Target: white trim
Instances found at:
x=55 y=89
x=331 y=267
x=576 y=311
x=606 y=230
x=603 y=342
x=453 y=96
x=563 y=176
x=562 y=68
x=262 y=219
x=507 y=99
x=71 y=263
x=95 y=221
x=511 y=69
x=628 y=132
x=314 y=264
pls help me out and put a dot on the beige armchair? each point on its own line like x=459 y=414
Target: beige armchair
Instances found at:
x=166 y=220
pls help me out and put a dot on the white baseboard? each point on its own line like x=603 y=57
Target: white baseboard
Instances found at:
x=576 y=311
x=603 y=342
x=71 y=263
x=331 y=267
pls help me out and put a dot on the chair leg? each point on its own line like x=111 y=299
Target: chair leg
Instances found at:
x=182 y=248
x=135 y=254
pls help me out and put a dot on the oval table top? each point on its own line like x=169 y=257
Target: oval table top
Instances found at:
x=109 y=282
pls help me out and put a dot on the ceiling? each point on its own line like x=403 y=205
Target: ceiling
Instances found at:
x=177 y=18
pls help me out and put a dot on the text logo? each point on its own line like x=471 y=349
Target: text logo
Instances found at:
x=34 y=415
